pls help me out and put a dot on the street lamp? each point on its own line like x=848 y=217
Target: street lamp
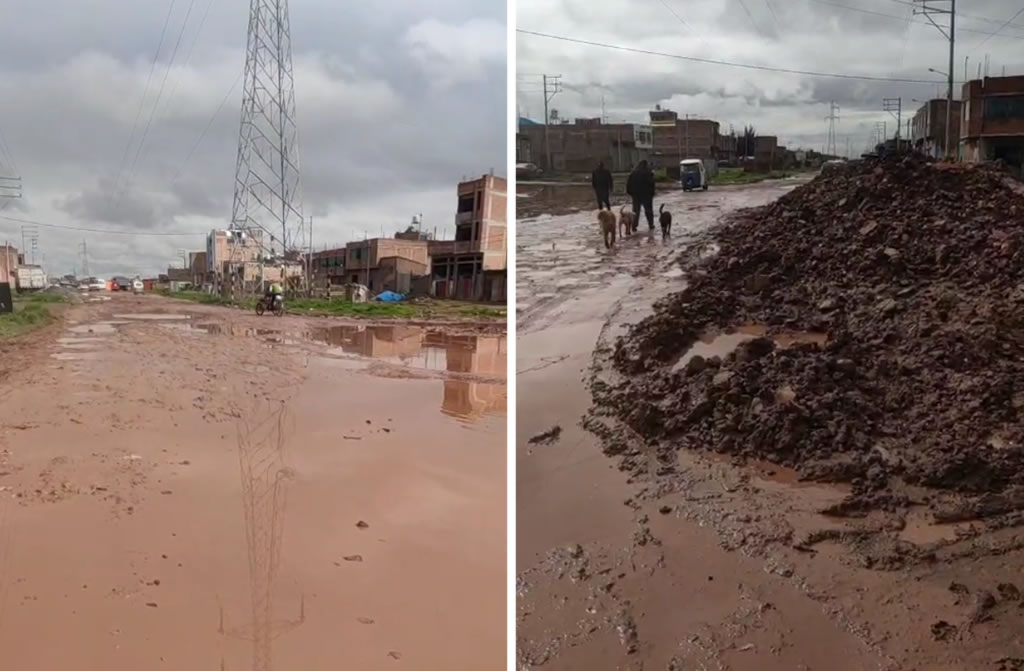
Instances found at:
x=938 y=72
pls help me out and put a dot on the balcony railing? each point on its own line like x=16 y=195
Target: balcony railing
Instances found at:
x=453 y=247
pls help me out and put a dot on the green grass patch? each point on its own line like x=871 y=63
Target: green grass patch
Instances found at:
x=27 y=316
x=197 y=297
x=40 y=298
x=727 y=176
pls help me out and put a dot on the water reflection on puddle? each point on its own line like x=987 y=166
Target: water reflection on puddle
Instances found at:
x=351 y=346
x=714 y=343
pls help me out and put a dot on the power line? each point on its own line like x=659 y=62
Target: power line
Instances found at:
x=975 y=17
x=775 y=18
x=145 y=92
x=905 y=19
x=998 y=30
x=749 y=16
x=101 y=230
x=156 y=104
x=676 y=14
x=709 y=61
x=209 y=124
x=191 y=48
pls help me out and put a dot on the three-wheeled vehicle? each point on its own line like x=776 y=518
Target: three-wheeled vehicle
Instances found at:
x=692 y=174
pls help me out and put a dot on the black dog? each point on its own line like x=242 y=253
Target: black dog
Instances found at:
x=665 y=219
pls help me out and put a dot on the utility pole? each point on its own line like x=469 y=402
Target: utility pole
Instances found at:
x=10 y=187
x=85 y=260
x=832 y=118
x=929 y=8
x=894 y=106
x=552 y=86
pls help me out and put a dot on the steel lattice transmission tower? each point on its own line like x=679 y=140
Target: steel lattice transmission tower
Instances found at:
x=268 y=193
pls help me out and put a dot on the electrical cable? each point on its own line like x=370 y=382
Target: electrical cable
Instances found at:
x=145 y=92
x=156 y=104
x=709 y=61
x=1008 y=21
x=106 y=231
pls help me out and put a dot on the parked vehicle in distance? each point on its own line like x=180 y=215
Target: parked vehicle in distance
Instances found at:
x=30 y=278
x=528 y=171
x=97 y=285
x=692 y=174
x=137 y=286
x=120 y=284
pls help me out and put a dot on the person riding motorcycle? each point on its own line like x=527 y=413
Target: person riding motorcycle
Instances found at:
x=274 y=293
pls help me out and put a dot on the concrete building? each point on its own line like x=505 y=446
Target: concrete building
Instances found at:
x=473 y=266
x=928 y=127
x=766 y=149
x=328 y=266
x=579 y=146
x=10 y=259
x=224 y=246
x=992 y=121
x=384 y=264
x=675 y=139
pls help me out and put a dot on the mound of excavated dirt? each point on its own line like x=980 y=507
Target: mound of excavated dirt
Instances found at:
x=880 y=317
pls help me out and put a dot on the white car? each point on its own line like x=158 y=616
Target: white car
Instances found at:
x=137 y=286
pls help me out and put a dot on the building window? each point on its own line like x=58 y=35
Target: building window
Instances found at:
x=1004 y=108
x=465 y=204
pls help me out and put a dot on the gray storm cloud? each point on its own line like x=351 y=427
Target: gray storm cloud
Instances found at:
x=395 y=104
x=879 y=38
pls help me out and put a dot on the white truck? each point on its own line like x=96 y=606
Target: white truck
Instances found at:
x=30 y=278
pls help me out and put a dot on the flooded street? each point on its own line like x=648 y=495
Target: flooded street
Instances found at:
x=721 y=566
x=188 y=487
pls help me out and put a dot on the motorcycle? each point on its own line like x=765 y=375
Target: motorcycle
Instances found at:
x=263 y=304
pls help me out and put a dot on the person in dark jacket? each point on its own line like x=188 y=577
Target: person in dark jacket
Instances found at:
x=601 y=180
x=640 y=186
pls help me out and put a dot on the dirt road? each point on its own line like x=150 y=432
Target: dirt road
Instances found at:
x=714 y=570
x=189 y=487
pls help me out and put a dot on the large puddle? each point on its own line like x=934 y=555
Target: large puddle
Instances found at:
x=472 y=367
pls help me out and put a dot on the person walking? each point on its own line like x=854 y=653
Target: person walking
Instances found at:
x=640 y=186
x=601 y=180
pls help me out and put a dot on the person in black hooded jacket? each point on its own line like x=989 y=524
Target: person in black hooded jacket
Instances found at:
x=640 y=186
x=601 y=180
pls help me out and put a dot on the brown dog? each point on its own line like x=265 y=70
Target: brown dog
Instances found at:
x=606 y=219
x=626 y=221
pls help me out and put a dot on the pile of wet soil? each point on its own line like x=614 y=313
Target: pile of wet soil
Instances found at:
x=890 y=296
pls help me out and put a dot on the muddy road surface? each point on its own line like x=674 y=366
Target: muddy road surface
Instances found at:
x=189 y=487
x=725 y=565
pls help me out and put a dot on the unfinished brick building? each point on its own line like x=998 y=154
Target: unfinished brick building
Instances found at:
x=992 y=121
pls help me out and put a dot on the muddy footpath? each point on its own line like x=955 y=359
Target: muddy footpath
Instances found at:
x=793 y=440
x=190 y=487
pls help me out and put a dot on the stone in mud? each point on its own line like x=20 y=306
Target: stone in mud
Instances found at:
x=696 y=364
x=828 y=305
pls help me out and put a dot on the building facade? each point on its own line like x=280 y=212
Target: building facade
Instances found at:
x=675 y=139
x=473 y=265
x=928 y=127
x=581 y=145
x=384 y=264
x=992 y=121
x=10 y=259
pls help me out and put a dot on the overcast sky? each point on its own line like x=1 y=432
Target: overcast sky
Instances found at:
x=815 y=35
x=396 y=102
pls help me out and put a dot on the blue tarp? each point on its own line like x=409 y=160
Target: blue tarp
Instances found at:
x=390 y=297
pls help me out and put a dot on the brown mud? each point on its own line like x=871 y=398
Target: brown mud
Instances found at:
x=190 y=487
x=709 y=560
x=900 y=281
